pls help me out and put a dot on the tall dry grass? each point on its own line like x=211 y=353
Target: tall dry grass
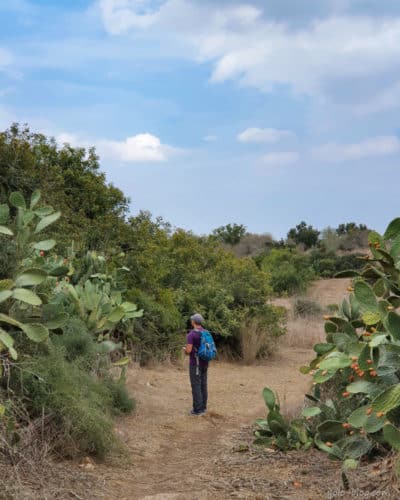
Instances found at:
x=256 y=341
x=303 y=331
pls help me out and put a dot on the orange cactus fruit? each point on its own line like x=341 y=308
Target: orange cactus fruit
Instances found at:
x=373 y=373
x=373 y=329
x=390 y=308
x=369 y=411
x=377 y=244
x=328 y=443
x=326 y=317
x=345 y=394
x=354 y=358
x=367 y=334
x=351 y=378
x=346 y=425
x=361 y=373
x=354 y=366
x=369 y=361
x=362 y=432
x=380 y=414
x=324 y=373
x=350 y=289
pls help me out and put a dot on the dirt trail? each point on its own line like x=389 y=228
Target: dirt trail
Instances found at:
x=173 y=454
x=177 y=457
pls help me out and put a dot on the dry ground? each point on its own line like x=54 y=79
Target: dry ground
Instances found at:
x=173 y=456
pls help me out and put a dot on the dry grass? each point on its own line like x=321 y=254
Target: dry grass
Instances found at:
x=303 y=333
x=256 y=341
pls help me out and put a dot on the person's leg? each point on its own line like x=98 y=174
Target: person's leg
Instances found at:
x=195 y=381
x=204 y=388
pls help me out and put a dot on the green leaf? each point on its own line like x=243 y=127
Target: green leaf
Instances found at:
x=365 y=297
x=108 y=346
x=17 y=200
x=56 y=322
x=5 y=230
x=44 y=211
x=387 y=400
x=393 y=325
x=35 y=332
x=122 y=362
x=377 y=340
x=323 y=348
x=371 y=318
x=4 y=295
x=339 y=360
x=35 y=198
x=45 y=245
x=319 y=378
x=27 y=296
x=331 y=430
x=393 y=229
x=31 y=277
x=4 y=318
x=311 y=411
x=46 y=221
x=8 y=342
x=4 y=213
x=116 y=315
x=392 y=436
x=269 y=398
x=361 y=386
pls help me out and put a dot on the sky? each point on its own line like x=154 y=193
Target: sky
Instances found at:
x=263 y=113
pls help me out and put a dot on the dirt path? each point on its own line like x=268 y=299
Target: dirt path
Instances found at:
x=175 y=455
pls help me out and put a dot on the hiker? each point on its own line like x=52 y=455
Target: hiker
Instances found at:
x=200 y=347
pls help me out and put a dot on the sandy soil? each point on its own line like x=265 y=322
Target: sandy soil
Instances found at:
x=174 y=455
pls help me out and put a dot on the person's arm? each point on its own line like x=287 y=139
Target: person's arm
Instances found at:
x=188 y=348
x=189 y=344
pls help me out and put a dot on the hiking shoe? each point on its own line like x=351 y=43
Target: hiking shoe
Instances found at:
x=193 y=413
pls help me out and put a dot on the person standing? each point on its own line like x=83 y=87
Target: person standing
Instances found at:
x=198 y=368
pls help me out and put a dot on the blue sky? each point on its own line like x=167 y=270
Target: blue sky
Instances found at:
x=208 y=112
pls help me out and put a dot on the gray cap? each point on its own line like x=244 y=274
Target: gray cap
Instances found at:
x=197 y=318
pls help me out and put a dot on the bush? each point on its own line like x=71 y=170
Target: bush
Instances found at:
x=78 y=404
x=290 y=272
x=304 y=307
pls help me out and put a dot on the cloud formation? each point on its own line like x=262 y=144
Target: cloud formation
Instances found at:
x=369 y=148
x=140 y=148
x=245 y=45
x=263 y=135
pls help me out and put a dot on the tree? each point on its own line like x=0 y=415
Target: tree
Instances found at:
x=305 y=235
x=231 y=234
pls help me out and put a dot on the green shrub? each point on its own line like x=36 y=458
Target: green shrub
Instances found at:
x=121 y=401
x=289 y=271
x=78 y=404
x=76 y=342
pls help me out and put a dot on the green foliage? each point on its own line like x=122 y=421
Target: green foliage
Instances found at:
x=355 y=374
x=79 y=404
x=231 y=234
x=304 y=235
x=289 y=271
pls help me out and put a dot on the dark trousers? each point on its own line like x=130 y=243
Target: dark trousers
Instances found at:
x=198 y=381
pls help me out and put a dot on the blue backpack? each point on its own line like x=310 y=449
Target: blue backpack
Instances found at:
x=207 y=350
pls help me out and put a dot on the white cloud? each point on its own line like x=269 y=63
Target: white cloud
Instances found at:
x=121 y=15
x=263 y=135
x=280 y=158
x=369 y=148
x=244 y=45
x=140 y=148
